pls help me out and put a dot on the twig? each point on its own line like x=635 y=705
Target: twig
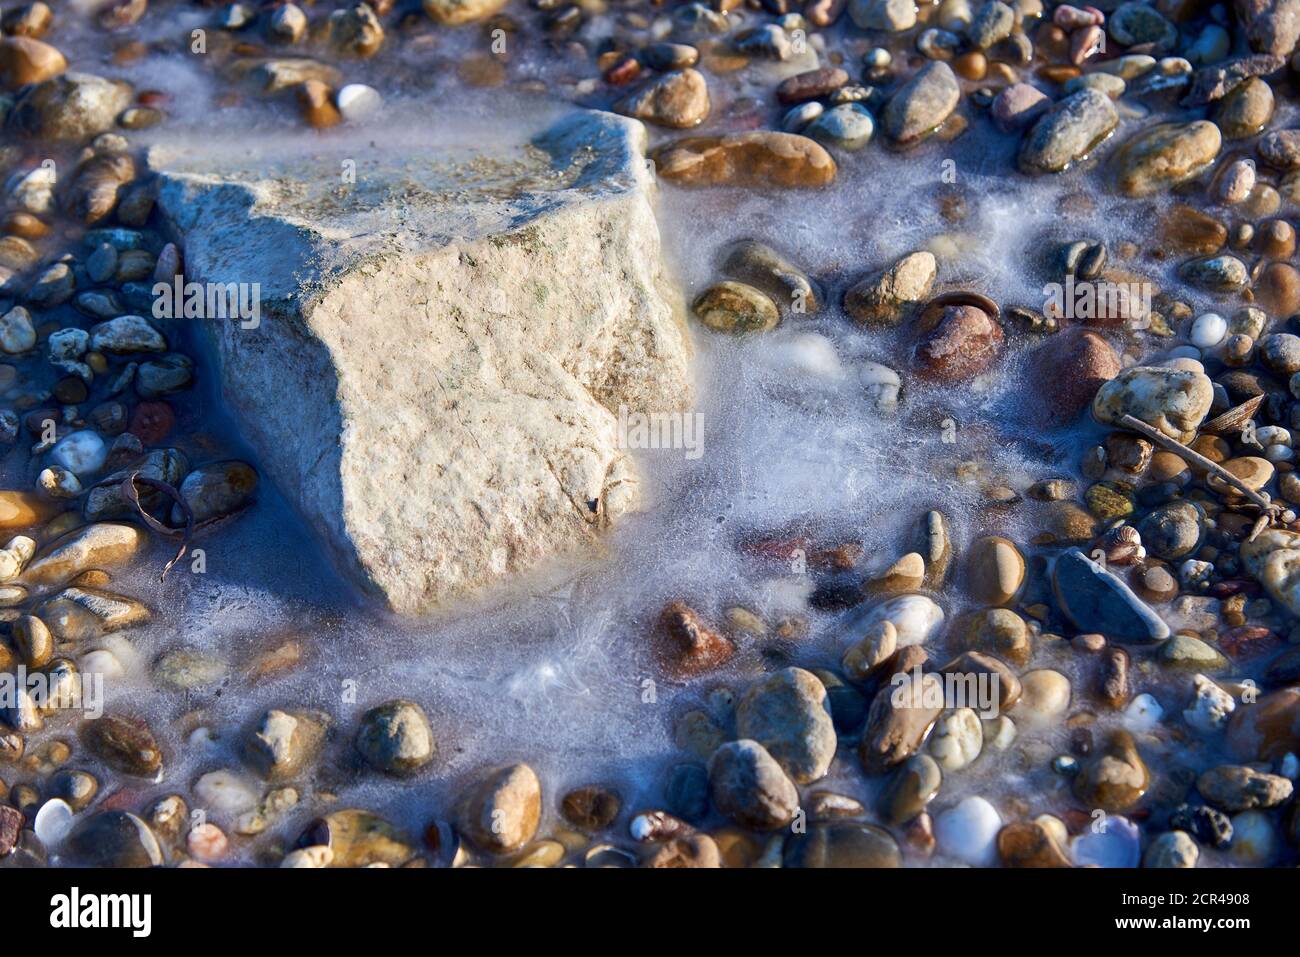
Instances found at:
x=132 y=494
x=1271 y=510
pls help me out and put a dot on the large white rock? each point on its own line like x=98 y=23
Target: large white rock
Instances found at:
x=444 y=344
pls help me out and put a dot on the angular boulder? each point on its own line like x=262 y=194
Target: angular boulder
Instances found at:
x=444 y=342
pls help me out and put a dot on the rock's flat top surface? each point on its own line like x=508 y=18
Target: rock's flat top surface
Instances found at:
x=456 y=329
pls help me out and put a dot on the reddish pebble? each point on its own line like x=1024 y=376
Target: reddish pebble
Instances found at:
x=152 y=422
x=623 y=72
x=1248 y=641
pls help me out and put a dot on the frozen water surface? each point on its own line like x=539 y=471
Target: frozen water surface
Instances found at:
x=553 y=670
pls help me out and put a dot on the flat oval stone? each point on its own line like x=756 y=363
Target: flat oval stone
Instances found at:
x=922 y=104
x=759 y=158
x=1095 y=600
x=1068 y=132
x=910 y=788
x=1165 y=155
x=842 y=844
x=736 y=307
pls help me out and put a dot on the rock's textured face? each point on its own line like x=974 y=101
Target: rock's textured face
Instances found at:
x=455 y=356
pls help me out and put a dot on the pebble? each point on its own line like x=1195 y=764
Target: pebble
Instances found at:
x=1117 y=842
x=1189 y=652
x=53 y=822
x=789 y=714
x=1017 y=105
x=848 y=126
x=1208 y=330
x=1068 y=132
x=893 y=16
x=357 y=102
x=901 y=717
x=749 y=786
x=1116 y=778
x=911 y=787
x=17 y=334
x=957 y=739
x=1172 y=531
x=502 y=814
x=842 y=844
x=916 y=618
x=1254 y=839
x=679 y=100
x=1235 y=788
x=969 y=831
x=1165 y=155
x=1211 y=706
x=224 y=792
x=99 y=545
x=1095 y=599
x=884 y=298
x=1174 y=401
x=125 y=743
x=594 y=808
x=115 y=839
x=1172 y=849
x=1245 y=110
x=922 y=104
x=1044 y=698
x=736 y=308
x=963 y=342
x=82 y=453
x=285 y=743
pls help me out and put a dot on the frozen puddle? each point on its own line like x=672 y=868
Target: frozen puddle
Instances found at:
x=558 y=672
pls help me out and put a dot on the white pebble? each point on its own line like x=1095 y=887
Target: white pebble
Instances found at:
x=225 y=791
x=999 y=732
x=1208 y=330
x=81 y=453
x=881 y=385
x=1143 y=714
x=356 y=101
x=1254 y=839
x=1210 y=707
x=53 y=822
x=1109 y=841
x=957 y=739
x=916 y=618
x=101 y=661
x=969 y=832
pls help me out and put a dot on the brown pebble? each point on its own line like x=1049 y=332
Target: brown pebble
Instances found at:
x=1278 y=289
x=316 y=101
x=1091 y=643
x=71 y=390
x=1114 y=689
x=1154 y=581
x=27 y=20
x=1168 y=467
x=19 y=223
x=24 y=60
x=692 y=646
x=1275 y=239
x=971 y=66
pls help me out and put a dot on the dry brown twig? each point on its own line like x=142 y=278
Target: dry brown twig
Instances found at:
x=1270 y=511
